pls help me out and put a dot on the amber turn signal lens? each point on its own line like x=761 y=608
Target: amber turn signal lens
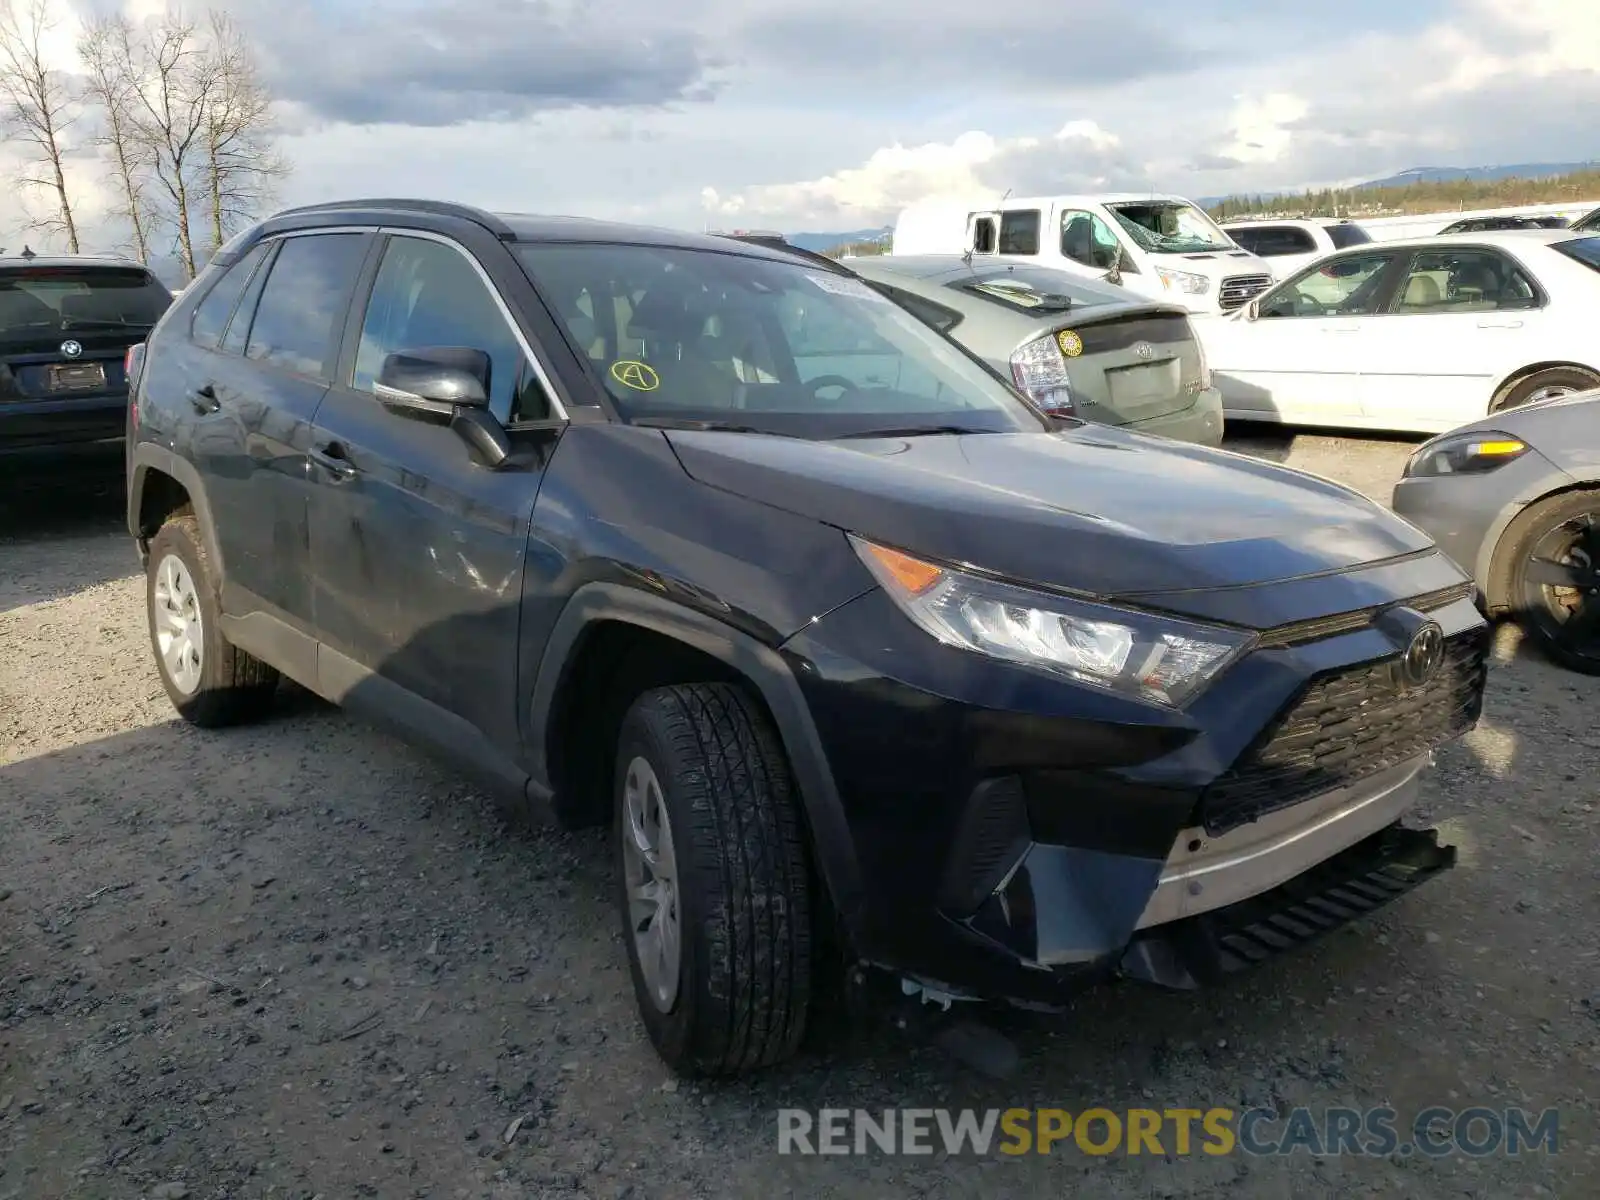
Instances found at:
x=914 y=575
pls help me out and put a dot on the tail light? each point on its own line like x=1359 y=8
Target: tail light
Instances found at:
x=1039 y=370
x=131 y=362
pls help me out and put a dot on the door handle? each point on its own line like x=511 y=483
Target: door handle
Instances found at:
x=332 y=456
x=204 y=400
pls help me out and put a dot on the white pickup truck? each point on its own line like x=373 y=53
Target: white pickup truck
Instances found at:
x=1156 y=245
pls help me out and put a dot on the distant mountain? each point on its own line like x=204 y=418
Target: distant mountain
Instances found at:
x=1481 y=174
x=818 y=242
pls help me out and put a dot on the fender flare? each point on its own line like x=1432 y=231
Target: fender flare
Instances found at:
x=832 y=844
x=148 y=456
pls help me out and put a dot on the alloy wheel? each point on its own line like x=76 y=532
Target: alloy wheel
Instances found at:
x=650 y=870
x=1562 y=580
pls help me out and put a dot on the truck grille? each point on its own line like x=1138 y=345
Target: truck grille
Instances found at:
x=1241 y=289
x=1345 y=725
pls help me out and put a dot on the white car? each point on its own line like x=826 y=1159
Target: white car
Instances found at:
x=1288 y=245
x=1418 y=335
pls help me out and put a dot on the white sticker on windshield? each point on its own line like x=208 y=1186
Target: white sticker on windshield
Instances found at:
x=843 y=285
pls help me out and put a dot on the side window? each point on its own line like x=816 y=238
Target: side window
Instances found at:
x=983 y=235
x=1019 y=232
x=303 y=303
x=1345 y=287
x=1464 y=281
x=233 y=341
x=936 y=315
x=211 y=315
x=1087 y=239
x=1274 y=241
x=428 y=294
x=1247 y=239
x=1345 y=236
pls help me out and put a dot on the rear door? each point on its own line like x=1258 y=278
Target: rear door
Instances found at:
x=1430 y=362
x=250 y=400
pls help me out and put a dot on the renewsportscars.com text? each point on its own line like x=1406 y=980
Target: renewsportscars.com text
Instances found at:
x=1374 y=1132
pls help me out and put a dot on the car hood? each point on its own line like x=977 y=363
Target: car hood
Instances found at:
x=1091 y=508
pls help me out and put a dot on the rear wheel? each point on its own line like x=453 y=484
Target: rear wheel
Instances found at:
x=1546 y=385
x=208 y=680
x=713 y=885
x=1555 y=579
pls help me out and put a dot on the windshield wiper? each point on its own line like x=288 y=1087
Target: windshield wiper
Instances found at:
x=912 y=431
x=693 y=423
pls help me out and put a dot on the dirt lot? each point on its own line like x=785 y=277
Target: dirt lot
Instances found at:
x=301 y=960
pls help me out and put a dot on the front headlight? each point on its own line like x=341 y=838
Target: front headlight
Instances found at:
x=1141 y=655
x=1464 y=454
x=1183 y=281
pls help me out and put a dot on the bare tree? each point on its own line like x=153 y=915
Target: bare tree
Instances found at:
x=37 y=107
x=106 y=48
x=243 y=165
x=172 y=87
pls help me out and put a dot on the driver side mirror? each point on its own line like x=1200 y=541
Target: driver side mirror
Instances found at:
x=449 y=384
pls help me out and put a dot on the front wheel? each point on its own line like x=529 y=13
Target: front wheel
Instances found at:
x=1555 y=578
x=713 y=886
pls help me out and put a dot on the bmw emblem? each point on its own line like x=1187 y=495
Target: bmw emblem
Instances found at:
x=71 y=348
x=1144 y=350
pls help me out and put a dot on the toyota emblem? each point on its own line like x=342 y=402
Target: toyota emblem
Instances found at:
x=71 y=348
x=1423 y=656
x=1144 y=350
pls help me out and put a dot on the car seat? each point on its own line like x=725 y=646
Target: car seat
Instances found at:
x=1421 y=292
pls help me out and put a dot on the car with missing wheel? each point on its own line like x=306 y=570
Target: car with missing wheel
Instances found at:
x=1515 y=499
x=67 y=325
x=1418 y=335
x=903 y=685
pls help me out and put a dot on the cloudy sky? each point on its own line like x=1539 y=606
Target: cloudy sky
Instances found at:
x=833 y=114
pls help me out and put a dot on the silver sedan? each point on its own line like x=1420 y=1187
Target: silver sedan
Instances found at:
x=1514 y=498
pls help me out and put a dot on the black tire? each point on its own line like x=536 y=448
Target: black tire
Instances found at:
x=232 y=687
x=1575 y=379
x=743 y=985
x=1555 y=551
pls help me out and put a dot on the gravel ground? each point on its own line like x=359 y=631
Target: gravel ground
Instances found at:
x=301 y=960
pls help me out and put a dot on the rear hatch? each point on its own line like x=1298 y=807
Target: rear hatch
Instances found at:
x=66 y=327
x=1131 y=366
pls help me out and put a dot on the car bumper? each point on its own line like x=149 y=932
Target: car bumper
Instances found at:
x=1018 y=836
x=48 y=429
x=1200 y=423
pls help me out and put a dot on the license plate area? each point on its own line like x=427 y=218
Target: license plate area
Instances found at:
x=76 y=377
x=1145 y=388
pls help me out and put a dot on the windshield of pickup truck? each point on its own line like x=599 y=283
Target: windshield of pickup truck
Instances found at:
x=681 y=336
x=1170 y=227
x=79 y=298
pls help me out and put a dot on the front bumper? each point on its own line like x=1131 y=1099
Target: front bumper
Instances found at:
x=1017 y=836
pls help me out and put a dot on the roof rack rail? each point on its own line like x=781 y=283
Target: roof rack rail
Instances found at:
x=438 y=208
x=776 y=241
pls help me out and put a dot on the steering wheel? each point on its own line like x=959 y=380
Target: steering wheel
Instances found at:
x=828 y=381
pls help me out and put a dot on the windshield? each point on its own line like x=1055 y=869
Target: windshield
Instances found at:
x=85 y=298
x=1030 y=289
x=1170 y=227
x=698 y=336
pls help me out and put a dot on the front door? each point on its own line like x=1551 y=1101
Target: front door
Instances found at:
x=1299 y=361
x=417 y=548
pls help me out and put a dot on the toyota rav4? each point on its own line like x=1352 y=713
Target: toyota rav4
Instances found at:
x=865 y=660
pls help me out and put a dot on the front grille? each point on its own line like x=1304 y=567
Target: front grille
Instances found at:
x=1241 y=289
x=1346 y=725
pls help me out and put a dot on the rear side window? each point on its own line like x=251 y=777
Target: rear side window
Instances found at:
x=80 y=298
x=1347 y=235
x=1019 y=232
x=1273 y=241
x=1584 y=250
x=211 y=316
x=301 y=312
